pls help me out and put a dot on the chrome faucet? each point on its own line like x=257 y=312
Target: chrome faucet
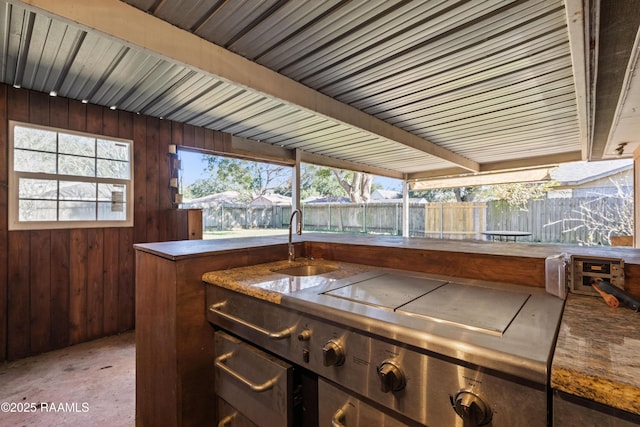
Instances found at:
x=292 y=253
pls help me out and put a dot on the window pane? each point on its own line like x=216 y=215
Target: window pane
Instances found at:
x=34 y=139
x=77 y=211
x=74 y=165
x=37 y=210
x=113 y=169
x=108 y=211
x=62 y=176
x=75 y=144
x=34 y=161
x=37 y=189
x=115 y=150
x=112 y=192
x=70 y=190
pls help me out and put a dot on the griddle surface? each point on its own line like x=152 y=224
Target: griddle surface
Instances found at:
x=387 y=291
x=478 y=308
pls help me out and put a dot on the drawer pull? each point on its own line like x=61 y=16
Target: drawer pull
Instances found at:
x=338 y=418
x=258 y=388
x=227 y=420
x=215 y=308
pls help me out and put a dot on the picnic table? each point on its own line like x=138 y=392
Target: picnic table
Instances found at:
x=505 y=235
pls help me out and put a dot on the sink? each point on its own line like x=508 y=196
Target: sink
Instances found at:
x=306 y=270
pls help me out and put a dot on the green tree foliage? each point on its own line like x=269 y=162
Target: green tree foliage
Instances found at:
x=515 y=194
x=460 y=194
x=319 y=181
x=251 y=179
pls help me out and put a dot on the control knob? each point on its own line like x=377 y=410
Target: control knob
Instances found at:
x=304 y=335
x=332 y=354
x=471 y=408
x=391 y=376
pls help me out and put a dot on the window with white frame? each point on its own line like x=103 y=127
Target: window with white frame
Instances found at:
x=65 y=179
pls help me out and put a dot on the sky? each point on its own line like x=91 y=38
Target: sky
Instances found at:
x=193 y=169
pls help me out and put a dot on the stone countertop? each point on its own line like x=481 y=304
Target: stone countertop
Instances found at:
x=597 y=354
x=263 y=280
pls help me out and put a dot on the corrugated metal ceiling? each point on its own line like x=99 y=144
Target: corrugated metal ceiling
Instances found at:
x=490 y=80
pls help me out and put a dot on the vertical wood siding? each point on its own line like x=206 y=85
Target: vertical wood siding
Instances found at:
x=62 y=287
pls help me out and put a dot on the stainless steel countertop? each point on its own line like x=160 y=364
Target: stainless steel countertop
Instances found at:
x=524 y=349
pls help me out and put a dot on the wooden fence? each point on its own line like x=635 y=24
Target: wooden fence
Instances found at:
x=581 y=220
x=548 y=220
x=439 y=220
x=463 y=220
x=235 y=216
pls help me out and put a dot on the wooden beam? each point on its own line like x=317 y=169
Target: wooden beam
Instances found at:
x=527 y=175
x=618 y=23
x=529 y=162
x=578 y=27
x=318 y=159
x=435 y=173
x=120 y=21
x=261 y=151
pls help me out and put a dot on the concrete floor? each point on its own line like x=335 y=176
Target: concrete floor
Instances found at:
x=89 y=384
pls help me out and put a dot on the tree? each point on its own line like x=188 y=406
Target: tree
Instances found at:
x=458 y=194
x=356 y=184
x=250 y=179
x=603 y=216
x=319 y=181
x=516 y=194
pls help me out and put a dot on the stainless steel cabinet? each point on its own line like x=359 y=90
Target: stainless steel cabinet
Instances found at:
x=258 y=385
x=570 y=411
x=339 y=408
x=228 y=416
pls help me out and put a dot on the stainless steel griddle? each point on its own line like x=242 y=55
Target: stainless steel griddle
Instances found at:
x=472 y=307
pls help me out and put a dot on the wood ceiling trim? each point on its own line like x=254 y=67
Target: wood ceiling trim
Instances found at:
x=134 y=27
x=577 y=19
x=548 y=160
x=529 y=162
x=321 y=160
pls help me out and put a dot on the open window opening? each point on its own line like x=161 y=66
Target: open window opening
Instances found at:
x=579 y=203
x=240 y=197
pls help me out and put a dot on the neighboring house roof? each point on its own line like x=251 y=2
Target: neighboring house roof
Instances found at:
x=385 y=194
x=329 y=199
x=271 y=199
x=215 y=199
x=577 y=173
x=411 y=200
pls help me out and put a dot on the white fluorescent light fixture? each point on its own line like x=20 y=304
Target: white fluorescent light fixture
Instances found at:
x=474 y=180
x=53 y=93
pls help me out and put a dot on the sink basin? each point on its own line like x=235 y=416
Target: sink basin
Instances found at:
x=306 y=270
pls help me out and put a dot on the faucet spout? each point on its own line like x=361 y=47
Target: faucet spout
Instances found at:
x=292 y=253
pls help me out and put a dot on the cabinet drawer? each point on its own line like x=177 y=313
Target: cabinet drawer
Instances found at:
x=265 y=324
x=339 y=408
x=228 y=416
x=257 y=384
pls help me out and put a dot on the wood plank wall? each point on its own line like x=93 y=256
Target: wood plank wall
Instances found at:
x=62 y=287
